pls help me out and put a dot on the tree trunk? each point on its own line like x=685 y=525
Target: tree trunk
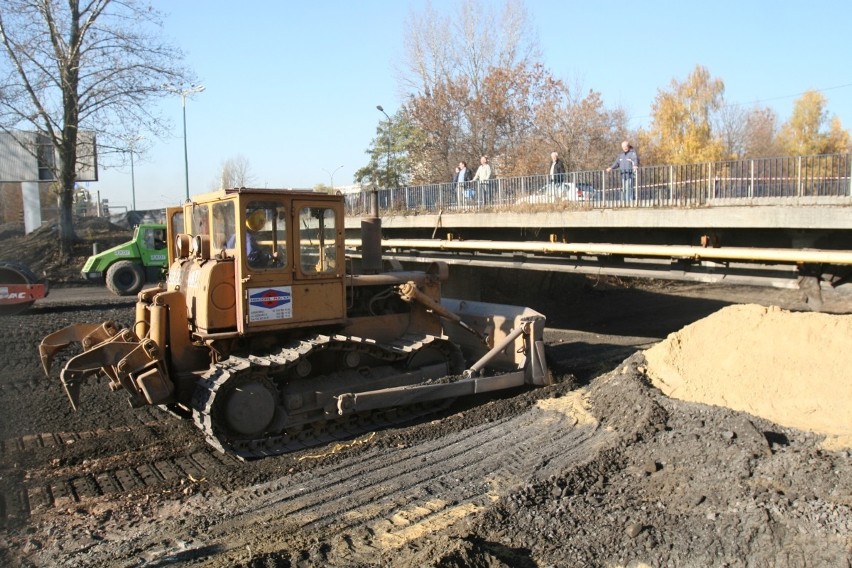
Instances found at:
x=67 y=178
x=67 y=236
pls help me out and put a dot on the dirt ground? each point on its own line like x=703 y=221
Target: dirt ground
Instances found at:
x=39 y=250
x=601 y=469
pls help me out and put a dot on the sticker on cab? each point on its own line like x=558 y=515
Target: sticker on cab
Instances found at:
x=271 y=303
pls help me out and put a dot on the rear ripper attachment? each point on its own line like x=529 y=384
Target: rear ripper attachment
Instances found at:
x=265 y=339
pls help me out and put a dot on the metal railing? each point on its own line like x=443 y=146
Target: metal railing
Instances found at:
x=786 y=180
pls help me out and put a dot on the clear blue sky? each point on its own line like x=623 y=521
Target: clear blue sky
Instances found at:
x=293 y=85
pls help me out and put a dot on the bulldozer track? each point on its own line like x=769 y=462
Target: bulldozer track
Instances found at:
x=473 y=467
x=147 y=418
x=425 y=488
x=107 y=480
x=274 y=368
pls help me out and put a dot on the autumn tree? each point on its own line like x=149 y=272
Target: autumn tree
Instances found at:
x=497 y=119
x=459 y=72
x=682 y=125
x=70 y=66
x=837 y=140
x=761 y=131
x=730 y=125
x=474 y=87
x=811 y=130
x=442 y=130
x=580 y=128
x=467 y=44
x=747 y=132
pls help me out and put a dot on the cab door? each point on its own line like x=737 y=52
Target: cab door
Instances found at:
x=264 y=262
x=319 y=292
x=174 y=227
x=287 y=250
x=152 y=241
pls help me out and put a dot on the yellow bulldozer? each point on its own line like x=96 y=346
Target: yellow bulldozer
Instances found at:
x=271 y=338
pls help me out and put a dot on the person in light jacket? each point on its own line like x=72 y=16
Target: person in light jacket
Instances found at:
x=482 y=177
x=483 y=172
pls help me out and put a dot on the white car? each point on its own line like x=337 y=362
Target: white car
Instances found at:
x=559 y=193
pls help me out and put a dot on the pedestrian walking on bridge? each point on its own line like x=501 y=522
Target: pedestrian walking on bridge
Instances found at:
x=557 y=169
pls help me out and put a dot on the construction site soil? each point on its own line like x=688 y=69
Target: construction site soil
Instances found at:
x=654 y=447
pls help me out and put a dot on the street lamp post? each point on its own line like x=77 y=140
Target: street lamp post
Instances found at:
x=132 y=179
x=184 y=93
x=331 y=175
x=387 y=159
x=131 y=146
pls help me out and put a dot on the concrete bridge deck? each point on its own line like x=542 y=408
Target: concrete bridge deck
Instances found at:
x=763 y=244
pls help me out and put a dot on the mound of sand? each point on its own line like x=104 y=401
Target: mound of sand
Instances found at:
x=794 y=369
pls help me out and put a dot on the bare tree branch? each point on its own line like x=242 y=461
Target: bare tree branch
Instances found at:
x=69 y=66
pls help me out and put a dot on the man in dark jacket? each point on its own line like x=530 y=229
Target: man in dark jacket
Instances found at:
x=461 y=177
x=557 y=169
x=627 y=162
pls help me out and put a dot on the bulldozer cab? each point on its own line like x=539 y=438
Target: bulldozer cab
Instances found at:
x=251 y=259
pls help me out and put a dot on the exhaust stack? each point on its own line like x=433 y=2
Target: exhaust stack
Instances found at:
x=371 y=238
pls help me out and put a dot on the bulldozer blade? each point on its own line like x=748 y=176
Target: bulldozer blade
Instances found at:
x=78 y=332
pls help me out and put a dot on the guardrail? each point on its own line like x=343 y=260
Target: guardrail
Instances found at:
x=787 y=180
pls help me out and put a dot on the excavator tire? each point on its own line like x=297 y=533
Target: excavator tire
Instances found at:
x=125 y=278
x=15 y=273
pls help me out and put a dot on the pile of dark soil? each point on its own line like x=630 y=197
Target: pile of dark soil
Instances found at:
x=39 y=250
x=684 y=484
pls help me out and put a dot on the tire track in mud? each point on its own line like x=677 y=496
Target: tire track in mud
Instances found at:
x=45 y=469
x=383 y=499
x=67 y=491
x=56 y=487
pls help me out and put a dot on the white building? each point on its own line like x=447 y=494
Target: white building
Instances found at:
x=28 y=166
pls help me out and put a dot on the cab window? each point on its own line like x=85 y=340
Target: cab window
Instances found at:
x=154 y=239
x=177 y=223
x=200 y=220
x=224 y=222
x=265 y=235
x=317 y=234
